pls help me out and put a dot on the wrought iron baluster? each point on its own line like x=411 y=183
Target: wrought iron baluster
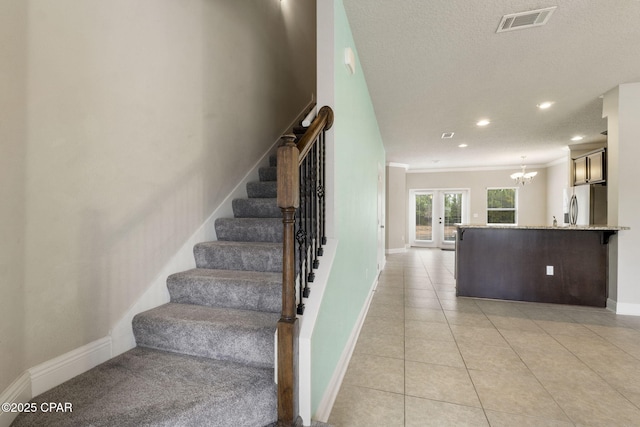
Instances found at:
x=300 y=239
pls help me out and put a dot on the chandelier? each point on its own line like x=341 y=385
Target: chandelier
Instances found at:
x=523 y=177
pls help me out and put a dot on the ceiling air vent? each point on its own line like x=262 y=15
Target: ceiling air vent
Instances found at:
x=447 y=135
x=521 y=20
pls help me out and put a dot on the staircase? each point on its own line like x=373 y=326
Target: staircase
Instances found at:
x=206 y=358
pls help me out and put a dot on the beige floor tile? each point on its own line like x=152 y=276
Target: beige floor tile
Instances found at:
x=514 y=323
x=445 y=287
x=381 y=345
x=593 y=317
x=415 y=272
x=554 y=363
x=566 y=328
x=447 y=295
x=428 y=330
x=539 y=312
x=380 y=291
x=432 y=303
x=532 y=340
x=501 y=308
x=380 y=373
x=390 y=276
x=502 y=419
x=593 y=402
x=382 y=325
x=435 y=352
x=424 y=315
x=492 y=358
x=515 y=393
x=362 y=407
x=386 y=311
x=529 y=364
x=460 y=304
x=396 y=300
x=437 y=382
x=472 y=335
x=424 y=284
x=390 y=283
x=420 y=293
x=425 y=413
x=587 y=345
x=466 y=318
x=443 y=282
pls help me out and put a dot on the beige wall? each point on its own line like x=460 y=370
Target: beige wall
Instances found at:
x=557 y=181
x=396 y=209
x=13 y=134
x=140 y=118
x=531 y=198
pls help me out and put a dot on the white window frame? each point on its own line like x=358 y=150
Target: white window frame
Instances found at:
x=514 y=209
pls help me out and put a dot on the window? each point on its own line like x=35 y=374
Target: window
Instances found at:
x=502 y=206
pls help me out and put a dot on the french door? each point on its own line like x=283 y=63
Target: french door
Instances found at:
x=433 y=215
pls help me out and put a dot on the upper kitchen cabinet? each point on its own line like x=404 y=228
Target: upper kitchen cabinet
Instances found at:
x=590 y=168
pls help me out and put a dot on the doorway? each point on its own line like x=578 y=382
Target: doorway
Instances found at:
x=433 y=215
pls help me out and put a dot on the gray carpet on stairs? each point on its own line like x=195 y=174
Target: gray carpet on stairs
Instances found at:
x=206 y=358
x=145 y=387
x=244 y=290
x=242 y=336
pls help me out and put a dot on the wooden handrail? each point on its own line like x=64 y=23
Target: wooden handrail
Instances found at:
x=290 y=158
x=323 y=122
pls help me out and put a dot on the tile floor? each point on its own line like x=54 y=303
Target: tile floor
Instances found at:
x=425 y=357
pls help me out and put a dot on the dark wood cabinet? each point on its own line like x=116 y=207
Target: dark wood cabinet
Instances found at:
x=590 y=168
x=580 y=171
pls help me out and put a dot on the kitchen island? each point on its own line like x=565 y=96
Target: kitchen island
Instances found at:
x=565 y=265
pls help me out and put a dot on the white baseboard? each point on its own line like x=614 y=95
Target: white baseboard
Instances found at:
x=626 y=308
x=56 y=371
x=18 y=392
x=307 y=325
x=396 y=251
x=611 y=305
x=330 y=394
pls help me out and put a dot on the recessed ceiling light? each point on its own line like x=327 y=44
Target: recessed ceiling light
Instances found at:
x=463 y=145
x=545 y=105
x=577 y=138
x=483 y=122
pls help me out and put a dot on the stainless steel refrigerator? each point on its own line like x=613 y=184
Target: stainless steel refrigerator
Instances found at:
x=585 y=205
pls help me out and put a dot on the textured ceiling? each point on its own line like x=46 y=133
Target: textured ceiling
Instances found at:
x=439 y=66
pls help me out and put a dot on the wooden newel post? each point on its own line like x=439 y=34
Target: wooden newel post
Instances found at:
x=288 y=201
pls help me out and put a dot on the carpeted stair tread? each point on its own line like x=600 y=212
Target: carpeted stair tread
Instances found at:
x=249 y=229
x=245 y=290
x=241 y=336
x=268 y=173
x=146 y=387
x=253 y=256
x=256 y=208
x=262 y=189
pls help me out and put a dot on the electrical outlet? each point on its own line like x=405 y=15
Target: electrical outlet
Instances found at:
x=549 y=270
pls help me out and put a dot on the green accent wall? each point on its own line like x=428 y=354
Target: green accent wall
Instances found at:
x=358 y=153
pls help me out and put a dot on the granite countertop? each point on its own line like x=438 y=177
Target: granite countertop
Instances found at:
x=546 y=227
